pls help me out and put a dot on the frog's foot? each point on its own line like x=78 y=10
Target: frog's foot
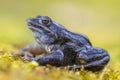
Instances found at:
x=25 y=55
x=28 y=56
x=93 y=59
x=30 y=51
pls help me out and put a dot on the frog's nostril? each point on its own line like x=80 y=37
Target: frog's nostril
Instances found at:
x=29 y=21
x=32 y=20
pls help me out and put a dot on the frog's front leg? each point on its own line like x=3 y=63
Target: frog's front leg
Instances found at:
x=93 y=59
x=30 y=51
x=55 y=58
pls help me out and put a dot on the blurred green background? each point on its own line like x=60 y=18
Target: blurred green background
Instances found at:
x=98 y=19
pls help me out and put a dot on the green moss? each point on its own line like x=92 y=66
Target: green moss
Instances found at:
x=15 y=68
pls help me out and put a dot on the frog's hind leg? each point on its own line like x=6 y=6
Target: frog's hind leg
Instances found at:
x=93 y=59
x=92 y=66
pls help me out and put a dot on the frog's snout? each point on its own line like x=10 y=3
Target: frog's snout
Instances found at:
x=29 y=21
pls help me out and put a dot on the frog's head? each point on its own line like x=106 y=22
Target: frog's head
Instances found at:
x=42 y=28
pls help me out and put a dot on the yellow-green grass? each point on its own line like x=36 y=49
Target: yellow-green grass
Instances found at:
x=15 y=68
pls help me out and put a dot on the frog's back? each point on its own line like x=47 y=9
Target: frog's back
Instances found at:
x=79 y=38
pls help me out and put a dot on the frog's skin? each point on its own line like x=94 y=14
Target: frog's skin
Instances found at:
x=62 y=47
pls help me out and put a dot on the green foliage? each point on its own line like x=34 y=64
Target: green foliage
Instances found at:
x=15 y=68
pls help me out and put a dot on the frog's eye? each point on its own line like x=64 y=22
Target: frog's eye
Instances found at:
x=45 y=21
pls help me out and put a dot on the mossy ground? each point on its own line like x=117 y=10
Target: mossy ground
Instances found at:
x=15 y=68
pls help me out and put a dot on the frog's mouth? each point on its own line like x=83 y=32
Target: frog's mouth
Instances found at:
x=34 y=26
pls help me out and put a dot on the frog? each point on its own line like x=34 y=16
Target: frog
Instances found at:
x=57 y=46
